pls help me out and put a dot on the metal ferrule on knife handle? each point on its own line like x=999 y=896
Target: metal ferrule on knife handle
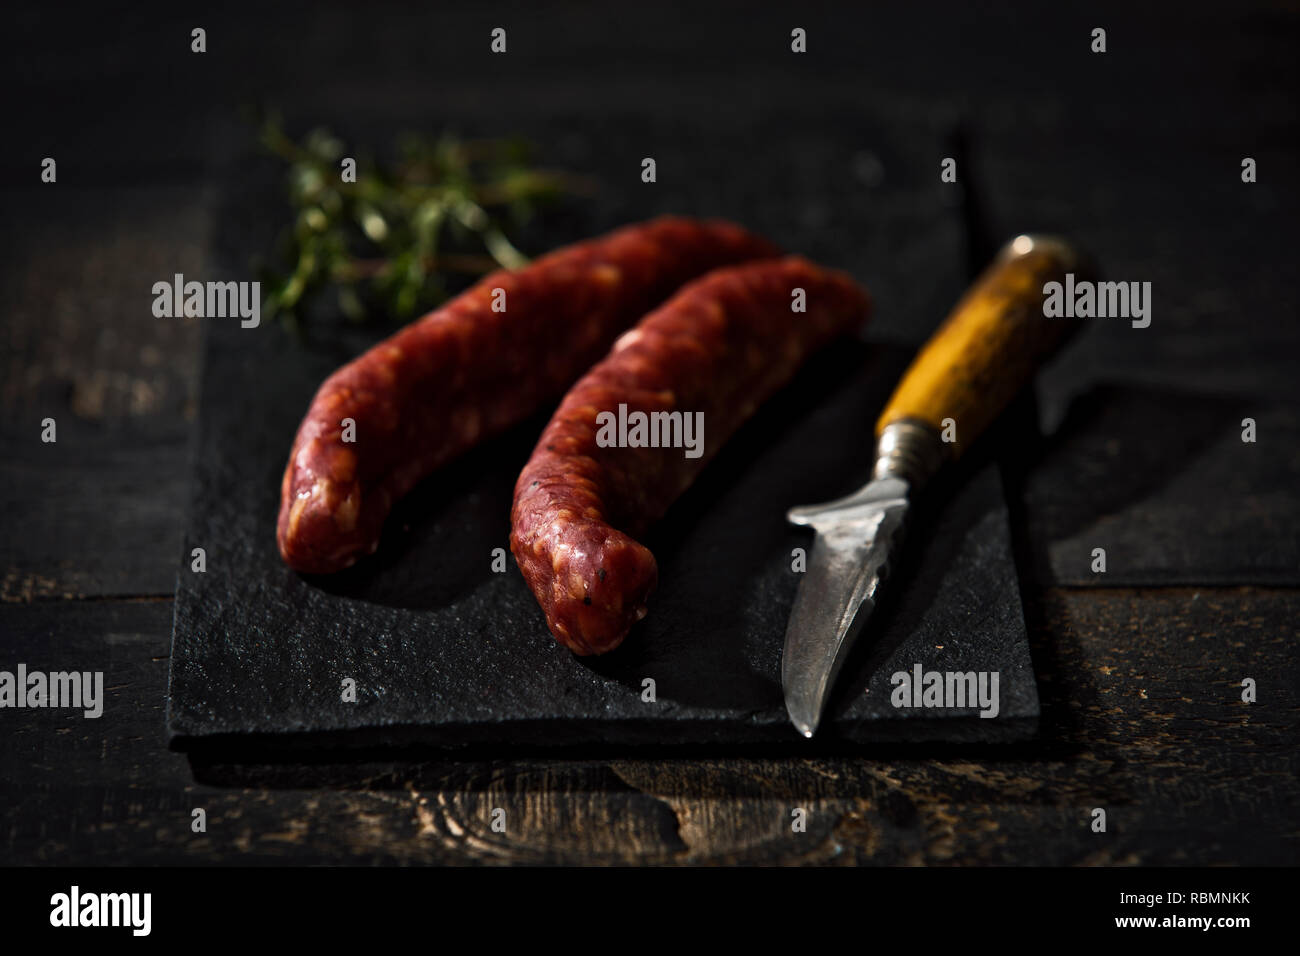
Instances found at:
x=983 y=354
x=910 y=449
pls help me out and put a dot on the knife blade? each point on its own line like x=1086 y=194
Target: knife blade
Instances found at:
x=961 y=380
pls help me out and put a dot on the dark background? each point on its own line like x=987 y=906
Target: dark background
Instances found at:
x=835 y=153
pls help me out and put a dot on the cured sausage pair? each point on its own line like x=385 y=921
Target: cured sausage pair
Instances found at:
x=483 y=362
x=716 y=350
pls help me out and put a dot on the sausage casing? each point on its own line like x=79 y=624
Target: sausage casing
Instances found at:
x=719 y=347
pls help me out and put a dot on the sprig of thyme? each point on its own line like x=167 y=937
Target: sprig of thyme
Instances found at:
x=387 y=242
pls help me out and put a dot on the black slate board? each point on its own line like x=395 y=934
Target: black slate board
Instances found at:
x=445 y=652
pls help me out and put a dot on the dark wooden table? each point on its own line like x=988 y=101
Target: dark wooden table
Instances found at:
x=1137 y=152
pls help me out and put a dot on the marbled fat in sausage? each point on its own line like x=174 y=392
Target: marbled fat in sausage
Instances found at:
x=465 y=372
x=721 y=346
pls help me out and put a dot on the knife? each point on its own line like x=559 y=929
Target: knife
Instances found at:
x=960 y=381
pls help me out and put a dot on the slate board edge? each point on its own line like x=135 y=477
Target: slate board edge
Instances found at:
x=481 y=738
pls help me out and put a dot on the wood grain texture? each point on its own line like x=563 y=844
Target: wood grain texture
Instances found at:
x=95 y=513
x=1144 y=718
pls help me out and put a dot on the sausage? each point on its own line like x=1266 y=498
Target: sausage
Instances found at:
x=719 y=347
x=467 y=371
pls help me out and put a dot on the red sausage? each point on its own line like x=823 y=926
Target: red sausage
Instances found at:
x=467 y=371
x=721 y=346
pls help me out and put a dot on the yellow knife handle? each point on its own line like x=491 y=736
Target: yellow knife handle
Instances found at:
x=988 y=348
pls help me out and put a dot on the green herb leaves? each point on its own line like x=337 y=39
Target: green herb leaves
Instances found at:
x=386 y=240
